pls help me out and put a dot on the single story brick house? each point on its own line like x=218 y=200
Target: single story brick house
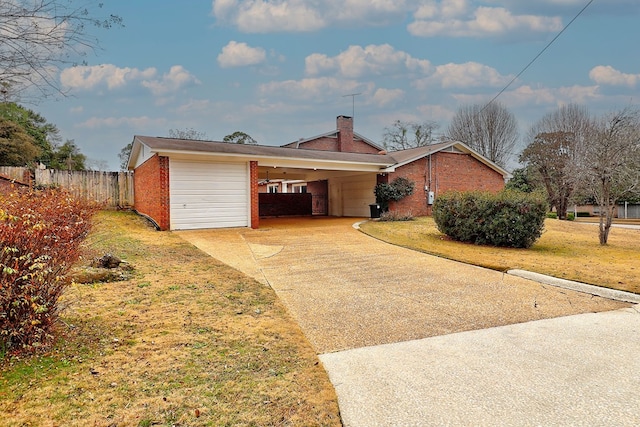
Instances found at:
x=188 y=184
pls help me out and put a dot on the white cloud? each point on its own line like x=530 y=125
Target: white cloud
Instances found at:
x=142 y=122
x=469 y=74
x=357 y=61
x=90 y=77
x=236 y=54
x=113 y=77
x=527 y=96
x=263 y=16
x=383 y=97
x=454 y=18
x=177 y=78
x=607 y=75
x=312 y=88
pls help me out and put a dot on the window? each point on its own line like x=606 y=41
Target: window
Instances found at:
x=272 y=188
x=299 y=188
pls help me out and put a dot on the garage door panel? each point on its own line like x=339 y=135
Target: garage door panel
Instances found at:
x=208 y=195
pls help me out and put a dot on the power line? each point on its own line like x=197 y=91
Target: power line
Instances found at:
x=538 y=55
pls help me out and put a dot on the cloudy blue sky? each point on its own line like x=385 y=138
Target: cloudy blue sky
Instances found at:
x=279 y=70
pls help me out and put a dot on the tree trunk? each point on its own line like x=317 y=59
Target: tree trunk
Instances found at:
x=561 y=208
x=606 y=219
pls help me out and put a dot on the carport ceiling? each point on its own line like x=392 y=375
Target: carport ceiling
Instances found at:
x=291 y=173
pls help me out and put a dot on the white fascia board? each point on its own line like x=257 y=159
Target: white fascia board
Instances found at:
x=270 y=161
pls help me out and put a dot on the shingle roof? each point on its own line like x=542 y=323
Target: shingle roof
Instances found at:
x=383 y=160
x=184 y=145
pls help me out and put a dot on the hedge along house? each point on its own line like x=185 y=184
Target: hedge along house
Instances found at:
x=187 y=184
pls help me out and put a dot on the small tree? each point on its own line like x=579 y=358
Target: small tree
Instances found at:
x=609 y=167
x=405 y=135
x=551 y=155
x=522 y=179
x=239 y=138
x=68 y=157
x=556 y=141
x=397 y=190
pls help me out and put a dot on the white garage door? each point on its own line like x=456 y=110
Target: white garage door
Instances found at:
x=208 y=195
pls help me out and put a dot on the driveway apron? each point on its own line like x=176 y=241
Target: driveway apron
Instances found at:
x=412 y=339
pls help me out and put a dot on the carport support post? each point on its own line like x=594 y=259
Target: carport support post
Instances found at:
x=255 y=207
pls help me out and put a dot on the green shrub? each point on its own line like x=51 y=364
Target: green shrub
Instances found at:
x=509 y=218
x=40 y=237
x=398 y=189
x=552 y=215
x=571 y=216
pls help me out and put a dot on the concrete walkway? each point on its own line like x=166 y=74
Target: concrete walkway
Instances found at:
x=412 y=339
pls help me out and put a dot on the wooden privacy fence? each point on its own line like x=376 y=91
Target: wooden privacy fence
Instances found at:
x=113 y=189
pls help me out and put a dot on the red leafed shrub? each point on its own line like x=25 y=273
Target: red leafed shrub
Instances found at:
x=40 y=237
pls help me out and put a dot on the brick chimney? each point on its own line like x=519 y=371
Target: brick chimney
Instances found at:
x=345 y=134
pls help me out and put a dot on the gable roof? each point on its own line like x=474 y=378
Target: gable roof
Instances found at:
x=332 y=134
x=383 y=162
x=404 y=157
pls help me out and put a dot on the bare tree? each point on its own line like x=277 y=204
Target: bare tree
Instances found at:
x=491 y=130
x=404 y=135
x=188 y=133
x=553 y=150
x=38 y=37
x=609 y=165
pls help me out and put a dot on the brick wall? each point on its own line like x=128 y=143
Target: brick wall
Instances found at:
x=255 y=204
x=346 y=141
x=151 y=190
x=449 y=171
x=326 y=143
x=345 y=134
x=320 y=196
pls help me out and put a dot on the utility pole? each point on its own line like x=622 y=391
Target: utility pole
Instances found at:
x=353 y=103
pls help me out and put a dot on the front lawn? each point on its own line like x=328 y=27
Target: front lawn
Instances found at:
x=568 y=250
x=187 y=341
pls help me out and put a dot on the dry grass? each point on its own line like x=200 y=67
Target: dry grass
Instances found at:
x=568 y=250
x=189 y=342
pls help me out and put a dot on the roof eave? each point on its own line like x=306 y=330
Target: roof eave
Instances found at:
x=279 y=161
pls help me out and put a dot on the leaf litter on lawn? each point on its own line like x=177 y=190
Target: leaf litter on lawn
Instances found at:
x=186 y=341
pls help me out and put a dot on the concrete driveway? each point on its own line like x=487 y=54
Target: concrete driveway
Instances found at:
x=412 y=339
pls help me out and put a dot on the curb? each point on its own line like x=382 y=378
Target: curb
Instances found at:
x=578 y=286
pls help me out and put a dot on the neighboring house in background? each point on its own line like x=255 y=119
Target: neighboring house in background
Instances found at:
x=186 y=184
